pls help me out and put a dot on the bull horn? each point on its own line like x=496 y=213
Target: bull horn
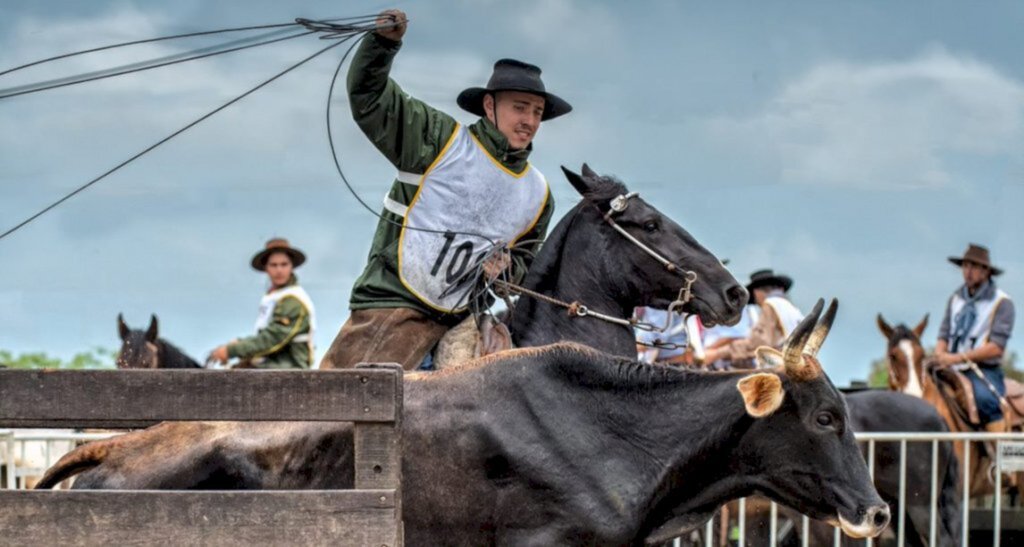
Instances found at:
x=794 y=346
x=820 y=332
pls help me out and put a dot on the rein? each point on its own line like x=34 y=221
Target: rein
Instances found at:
x=577 y=309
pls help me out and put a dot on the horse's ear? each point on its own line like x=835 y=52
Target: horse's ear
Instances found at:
x=885 y=327
x=122 y=327
x=151 y=332
x=919 y=329
x=589 y=173
x=576 y=181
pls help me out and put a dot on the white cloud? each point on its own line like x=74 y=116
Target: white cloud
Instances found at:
x=884 y=125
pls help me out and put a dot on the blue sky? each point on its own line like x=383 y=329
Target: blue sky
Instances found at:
x=853 y=146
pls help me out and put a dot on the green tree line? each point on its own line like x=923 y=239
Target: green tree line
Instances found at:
x=95 y=358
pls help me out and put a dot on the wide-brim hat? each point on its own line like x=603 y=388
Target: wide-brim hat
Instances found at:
x=977 y=254
x=277 y=245
x=513 y=75
x=761 y=278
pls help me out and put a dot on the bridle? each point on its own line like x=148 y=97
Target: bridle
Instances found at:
x=618 y=205
x=576 y=309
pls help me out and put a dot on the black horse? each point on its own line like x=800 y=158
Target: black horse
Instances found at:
x=145 y=349
x=586 y=260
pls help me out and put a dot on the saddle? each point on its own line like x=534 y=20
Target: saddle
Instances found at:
x=472 y=338
x=963 y=395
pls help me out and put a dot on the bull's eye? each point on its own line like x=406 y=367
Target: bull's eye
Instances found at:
x=825 y=419
x=650 y=226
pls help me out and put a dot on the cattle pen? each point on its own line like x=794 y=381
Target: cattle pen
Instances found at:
x=370 y=397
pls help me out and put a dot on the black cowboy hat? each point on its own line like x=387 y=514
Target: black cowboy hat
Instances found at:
x=977 y=254
x=513 y=75
x=277 y=245
x=760 y=278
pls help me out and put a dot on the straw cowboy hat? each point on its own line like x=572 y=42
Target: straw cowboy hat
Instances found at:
x=760 y=278
x=513 y=75
x=977 y=254
x=276 y=245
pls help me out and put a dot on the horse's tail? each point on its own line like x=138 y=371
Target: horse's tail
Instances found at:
x=80 y=459
x=949 y=500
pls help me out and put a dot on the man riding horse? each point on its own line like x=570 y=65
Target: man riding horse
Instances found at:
x=460 y=193
x=284 y=328
x=775 y=321
x=975 y=329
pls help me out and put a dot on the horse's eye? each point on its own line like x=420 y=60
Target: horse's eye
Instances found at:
x=650 y=226
x=825 y=419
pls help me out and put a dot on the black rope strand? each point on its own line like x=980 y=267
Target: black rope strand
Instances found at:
x=167 y=138
x=138 y=67
x=361 y=18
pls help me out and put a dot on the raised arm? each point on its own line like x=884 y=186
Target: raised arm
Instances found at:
x=407 y=131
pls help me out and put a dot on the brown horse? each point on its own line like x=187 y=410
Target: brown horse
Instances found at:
x=910 y=373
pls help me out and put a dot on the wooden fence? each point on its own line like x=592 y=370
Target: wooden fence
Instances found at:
x=370 y=396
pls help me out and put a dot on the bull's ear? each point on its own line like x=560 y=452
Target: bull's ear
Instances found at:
x=762 y=393
x=122 y=327
x=769 y=357
x=576 y=181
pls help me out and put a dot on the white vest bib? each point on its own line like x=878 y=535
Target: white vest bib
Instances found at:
x=269 y=302
x=979 y=332
x=465 y=190
x=789 y=316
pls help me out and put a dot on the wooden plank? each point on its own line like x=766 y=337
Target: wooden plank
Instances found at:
x=378 y=446
x=78 y=517
x=378 y=450
x=133 y=398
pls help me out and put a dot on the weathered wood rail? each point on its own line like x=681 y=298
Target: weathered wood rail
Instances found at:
x=371 y=397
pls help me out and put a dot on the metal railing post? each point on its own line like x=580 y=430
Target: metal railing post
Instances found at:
x=967 y=493
x=997 y=517
x=742 y=517
x=869 y=542
x=902 y=538
x=933 y=510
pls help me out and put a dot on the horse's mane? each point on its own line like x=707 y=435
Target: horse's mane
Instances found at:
x=546 y=266
x=173 y=357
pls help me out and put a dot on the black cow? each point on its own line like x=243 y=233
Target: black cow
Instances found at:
x=552 y=446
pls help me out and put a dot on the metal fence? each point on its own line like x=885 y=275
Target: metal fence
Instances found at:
x=1009 y=457
x=28 y=454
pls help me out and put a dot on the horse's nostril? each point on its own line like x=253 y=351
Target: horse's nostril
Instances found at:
x=736 y=296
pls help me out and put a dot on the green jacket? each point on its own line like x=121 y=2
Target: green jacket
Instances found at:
x=412 y=134
x=275 y=345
